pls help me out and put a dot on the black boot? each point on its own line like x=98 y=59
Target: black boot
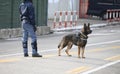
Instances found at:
x=34 y=50
x=26 y=55
x=25 y=49
x=36 y=55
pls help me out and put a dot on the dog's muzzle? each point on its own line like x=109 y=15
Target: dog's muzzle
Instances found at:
x=90 y=31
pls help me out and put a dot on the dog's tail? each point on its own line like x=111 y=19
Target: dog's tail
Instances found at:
x=62 y=43
x=59 y=46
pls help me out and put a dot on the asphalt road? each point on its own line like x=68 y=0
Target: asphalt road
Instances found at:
x=102 y=55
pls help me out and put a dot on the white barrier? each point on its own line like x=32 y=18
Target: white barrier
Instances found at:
x=113 y=15
x=65 y=19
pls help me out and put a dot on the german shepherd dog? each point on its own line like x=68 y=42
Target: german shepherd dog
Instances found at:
x=79 y=39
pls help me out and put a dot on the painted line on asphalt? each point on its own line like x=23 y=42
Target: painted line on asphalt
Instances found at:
x=113 y=58
x=9 y=60
x=48 y=56
x=94 y=44
x=103 y=49
x=103 y=43
x=101 y=67
x=78 y=70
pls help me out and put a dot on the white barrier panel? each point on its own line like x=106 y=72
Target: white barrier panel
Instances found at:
x=65 y=19
x=113 y=15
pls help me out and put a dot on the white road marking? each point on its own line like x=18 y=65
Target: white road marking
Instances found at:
x=94 y=44
x=100 y=34
x=101 y=67
x=103 y=43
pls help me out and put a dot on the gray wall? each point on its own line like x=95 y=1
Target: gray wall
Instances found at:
x=9 y=14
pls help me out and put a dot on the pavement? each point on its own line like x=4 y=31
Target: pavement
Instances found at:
x=102 y=53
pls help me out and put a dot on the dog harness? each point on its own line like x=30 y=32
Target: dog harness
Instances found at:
x=81 y=36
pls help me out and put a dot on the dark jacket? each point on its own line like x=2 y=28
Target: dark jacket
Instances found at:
x=27 y=12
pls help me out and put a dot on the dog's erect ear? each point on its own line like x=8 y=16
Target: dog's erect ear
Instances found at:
x=88 y=24
x=84 y=25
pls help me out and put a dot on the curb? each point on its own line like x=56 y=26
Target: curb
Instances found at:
x=78 y=27
x=93 y=26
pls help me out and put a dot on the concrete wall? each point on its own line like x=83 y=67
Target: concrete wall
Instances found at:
x=17 y=32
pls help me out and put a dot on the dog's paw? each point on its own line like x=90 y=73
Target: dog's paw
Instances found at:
x=83 y=57
x=69 y=55
x=79 y=57
x=59 y=55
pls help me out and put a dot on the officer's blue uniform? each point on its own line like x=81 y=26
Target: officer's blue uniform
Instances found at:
x=27 y=15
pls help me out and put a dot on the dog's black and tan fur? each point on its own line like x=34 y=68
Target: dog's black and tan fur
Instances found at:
x=79 y=39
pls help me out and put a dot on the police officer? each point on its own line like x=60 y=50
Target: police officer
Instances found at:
x=27 y=15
